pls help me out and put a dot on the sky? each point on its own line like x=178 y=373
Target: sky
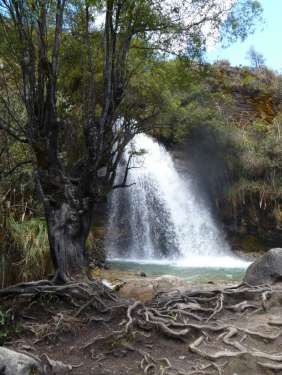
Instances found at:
x=267 y=40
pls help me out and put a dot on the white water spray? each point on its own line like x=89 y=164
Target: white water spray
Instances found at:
x=162 y=218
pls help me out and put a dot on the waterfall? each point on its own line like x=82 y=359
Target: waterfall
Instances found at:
x=162 y=217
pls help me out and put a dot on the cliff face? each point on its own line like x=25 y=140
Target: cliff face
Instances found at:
x=256 y=93
x=251 y=216
x=239 y=162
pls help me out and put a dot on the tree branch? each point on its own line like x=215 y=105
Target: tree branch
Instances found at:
x=11 y=132
x=18 y=165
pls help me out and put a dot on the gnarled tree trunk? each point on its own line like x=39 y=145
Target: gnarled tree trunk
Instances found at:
x=68 y=215
x=67 y=230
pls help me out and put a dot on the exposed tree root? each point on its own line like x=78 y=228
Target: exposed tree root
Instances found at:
x=114 y=336
x=241 y=350
x=179 y=314
x=194 y=347
x=163 y=366
x=275 y=322
x=241 y=307
x=271 y=366
x=198 y=314
x=218 y=307
x=91 y=294
x=51 y=330
x=55 y=367
x=129 y=311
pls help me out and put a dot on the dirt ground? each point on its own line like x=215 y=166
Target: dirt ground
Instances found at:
x=92 y=342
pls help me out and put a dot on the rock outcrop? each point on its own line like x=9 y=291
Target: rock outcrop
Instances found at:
x=144 y=288
x=14 y=363
x=267 y=269
x=17 y=363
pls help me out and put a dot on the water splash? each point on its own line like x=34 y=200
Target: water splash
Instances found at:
x=162 y=217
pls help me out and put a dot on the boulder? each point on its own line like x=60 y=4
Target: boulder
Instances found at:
x=14 y=363
x=267 y=269
x=17 y=363
x=144 y=288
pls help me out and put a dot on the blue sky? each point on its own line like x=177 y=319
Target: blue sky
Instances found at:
x=267 y=40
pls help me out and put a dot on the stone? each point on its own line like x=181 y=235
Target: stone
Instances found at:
x=144 y=288
x=15 y=363
x=267 y=269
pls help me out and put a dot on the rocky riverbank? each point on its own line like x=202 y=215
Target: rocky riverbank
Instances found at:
x=139 y=286
x=172 y=328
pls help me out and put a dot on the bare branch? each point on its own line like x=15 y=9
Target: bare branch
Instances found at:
x=6 y=128
x=17 y=166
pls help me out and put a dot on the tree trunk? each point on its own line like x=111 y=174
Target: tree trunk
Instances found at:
x=68 y=229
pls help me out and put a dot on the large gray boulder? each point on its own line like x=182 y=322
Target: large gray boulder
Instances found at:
x=267 y=269
x=14 y=363
x=145 y=288
x=17 y=363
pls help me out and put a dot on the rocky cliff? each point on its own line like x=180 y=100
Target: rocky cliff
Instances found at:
x=239 y=162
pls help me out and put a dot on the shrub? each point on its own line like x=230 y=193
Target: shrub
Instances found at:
x=24 y=253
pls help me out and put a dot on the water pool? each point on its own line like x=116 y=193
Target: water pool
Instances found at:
x=195 y=274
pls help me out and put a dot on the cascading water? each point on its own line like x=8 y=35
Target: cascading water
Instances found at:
x=161 y=217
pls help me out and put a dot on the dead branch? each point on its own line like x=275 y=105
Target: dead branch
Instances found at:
x=241 y=306
x=129 y=317
x=218 y=308
x=271 y=366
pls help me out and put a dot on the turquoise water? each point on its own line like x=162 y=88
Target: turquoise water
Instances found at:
x=192 y=274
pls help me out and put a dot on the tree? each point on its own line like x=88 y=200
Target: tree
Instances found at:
x=256 y=59
x=71 y=183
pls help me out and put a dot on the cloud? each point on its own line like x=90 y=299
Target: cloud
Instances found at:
x=201 y=17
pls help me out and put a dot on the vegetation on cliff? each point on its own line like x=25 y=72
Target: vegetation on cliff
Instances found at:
x=227 y=120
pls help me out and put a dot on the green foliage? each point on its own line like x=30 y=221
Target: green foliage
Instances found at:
x=31 y=238
x=242 y=20
x=8 y=325
x=24 y=250
x=230 y=118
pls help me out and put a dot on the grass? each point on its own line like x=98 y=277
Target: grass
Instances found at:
x=25 y=252
x=8 y=325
